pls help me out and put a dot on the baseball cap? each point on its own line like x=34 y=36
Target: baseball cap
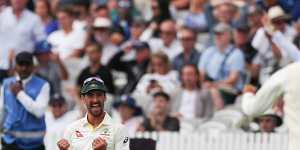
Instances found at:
x=126 y=100
x=24 y=58
x=102 y=22
x=222 y=27
x=92 y=83
x=42 y=47
x=140 y=45
x=242 y=27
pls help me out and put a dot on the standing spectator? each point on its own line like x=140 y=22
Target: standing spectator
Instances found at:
x=20 y=29
x=159 y=119
x=191 y=101
x=57 y=118
x=50 y=67
x=270 y=58
x=222 y=67
x=190 y=54
x=23 y=101
x=134 y=69
x=96 y=68
x=130 y=114
x=101 y=32
x=67 y=41
x=167 y=41
x=43 y=10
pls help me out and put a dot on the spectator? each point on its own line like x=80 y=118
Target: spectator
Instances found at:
x=270 y=58
x=95 y=68
x=50 y=67
x=24 y=99
x=241 y=38
x=191 y=102
x=196 y=18
x=190 y=54
x=268 y=122
x=101 y=32
x=159 y=119
x=134 y=69
x=297 y=38
x=20 y=30
x=160 y=11
x=57 y=119
x=167 y=41
x=159 y=78
x=137 y=28
x=222 y=67
x=130 y=114
x=81 y=10
x=255 y=15
x=43 y=10
x=67 y=41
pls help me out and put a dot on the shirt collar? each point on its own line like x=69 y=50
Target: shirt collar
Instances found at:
x=24 y=81
x=227 y=49
x=106 y=121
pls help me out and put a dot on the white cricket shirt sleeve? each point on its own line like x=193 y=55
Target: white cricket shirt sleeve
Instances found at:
x=271 y=90
x=39 y=106
x=286 y=46
x=122 y=139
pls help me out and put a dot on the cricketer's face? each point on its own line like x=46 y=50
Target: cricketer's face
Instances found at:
x=94 y=101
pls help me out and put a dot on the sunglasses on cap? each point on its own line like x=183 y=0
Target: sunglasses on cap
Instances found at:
x=93 y=78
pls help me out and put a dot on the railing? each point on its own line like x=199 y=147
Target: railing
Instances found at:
x=218 y=141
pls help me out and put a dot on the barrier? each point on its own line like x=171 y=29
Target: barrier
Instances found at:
x=218 y=141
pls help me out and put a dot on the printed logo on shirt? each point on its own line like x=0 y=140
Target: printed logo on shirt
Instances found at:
x=105 y=132
x=125 y=140
x=78 y=134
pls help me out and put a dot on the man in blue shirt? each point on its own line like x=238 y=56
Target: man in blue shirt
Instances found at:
x=23 y=101
x=222 y=66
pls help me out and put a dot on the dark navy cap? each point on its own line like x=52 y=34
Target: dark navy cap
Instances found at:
x=42 y=47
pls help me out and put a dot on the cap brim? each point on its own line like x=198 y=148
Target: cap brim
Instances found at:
x=278 y=119
x=87 y=89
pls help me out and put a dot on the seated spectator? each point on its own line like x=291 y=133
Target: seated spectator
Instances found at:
x=191 y=101
x=222 y=67
x=43 y=10
x=57 y=119
x=50 y=67
x=268 y=122
x=196 y=18
x=66 y=41
x=159 y=78
x=167 y=41
x=95 y=68
x=130 y=114
x=159 y=119
x=134 y=69
x=190 y=54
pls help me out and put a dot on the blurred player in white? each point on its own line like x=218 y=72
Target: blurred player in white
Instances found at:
x=96 y=131
x=286 y=83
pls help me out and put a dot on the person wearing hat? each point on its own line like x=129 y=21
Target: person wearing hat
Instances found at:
x=268 y=122
x=101 y=33
x=57 y=118
x=97 y=129
x=134 y=69
x=50 y=67
x=222 y=66
x=23 y=101
x=130 y=113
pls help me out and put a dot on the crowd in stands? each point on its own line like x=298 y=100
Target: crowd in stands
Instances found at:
x=169 y=65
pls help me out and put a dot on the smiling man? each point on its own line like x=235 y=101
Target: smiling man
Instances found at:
x=96 y=131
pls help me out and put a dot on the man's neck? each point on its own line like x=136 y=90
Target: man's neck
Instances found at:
x=95 y=120
x=18 y=12
x=190 y=88
x=67 y=30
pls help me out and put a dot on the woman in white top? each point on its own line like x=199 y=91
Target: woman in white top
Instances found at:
x=158 y=78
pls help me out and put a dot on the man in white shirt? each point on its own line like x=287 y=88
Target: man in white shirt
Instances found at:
x=20 y=29
x=286 y=83
x=23 y=101
x=97 y=130
x=67 y=41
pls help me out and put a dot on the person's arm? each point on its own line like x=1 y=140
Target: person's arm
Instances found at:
x=271 y=90
x=63 y=73
x=37 y=107
x=121 y=139
x=286 y=46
